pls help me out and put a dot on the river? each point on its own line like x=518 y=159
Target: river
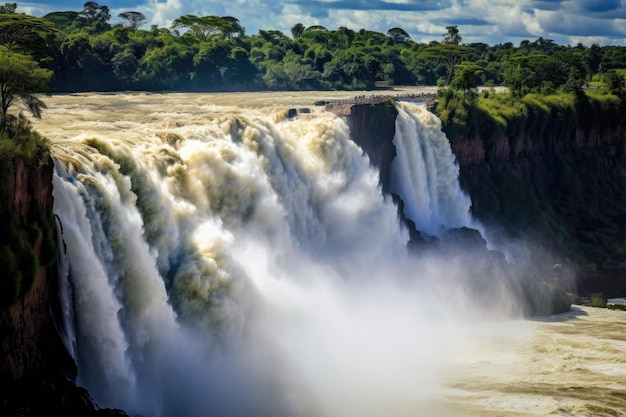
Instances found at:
x=223 y=258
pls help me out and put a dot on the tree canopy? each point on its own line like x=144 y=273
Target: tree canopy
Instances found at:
x=23 y=41
x=21 y=78
x=209 y=53
x=133 y=19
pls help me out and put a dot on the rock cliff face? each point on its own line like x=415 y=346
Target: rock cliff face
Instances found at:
x=564 y=176
x=555 y=181
x=607 y=146
x=30 y=342
x=36 y=371
x=372 y=127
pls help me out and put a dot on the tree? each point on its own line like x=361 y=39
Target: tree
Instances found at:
x=614 y=81
x=233 y=27
x=20 y=74
x=93 y=12
x=398 y=35
x=297 y=30
x=24 y=33
x=63 y=20
x=8 y=8
x=593 y=58
x=21 y=79
x=134 y=19
x=466 y=80
x=203 y=27
x=341 y=38
x=449 y=54
x=516 y=77
x=452 y=36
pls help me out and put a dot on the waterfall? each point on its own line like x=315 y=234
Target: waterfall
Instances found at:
x=425 y=172
x=237 y=262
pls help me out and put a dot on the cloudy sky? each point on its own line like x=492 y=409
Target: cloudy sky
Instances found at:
x=490 y=21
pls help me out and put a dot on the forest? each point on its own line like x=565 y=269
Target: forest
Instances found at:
x=85 y=52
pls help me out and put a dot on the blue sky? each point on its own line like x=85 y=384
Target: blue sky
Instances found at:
x=490 y=21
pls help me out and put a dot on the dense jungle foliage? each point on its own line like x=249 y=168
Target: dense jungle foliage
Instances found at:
x=86 y=52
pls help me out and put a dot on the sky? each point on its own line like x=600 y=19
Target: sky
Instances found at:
x=567 y=22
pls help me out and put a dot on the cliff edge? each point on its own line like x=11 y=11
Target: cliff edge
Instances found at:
x=36 y=370
x=549 y=170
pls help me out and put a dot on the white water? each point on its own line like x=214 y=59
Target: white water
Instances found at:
x=230 y=261
x=425 y=173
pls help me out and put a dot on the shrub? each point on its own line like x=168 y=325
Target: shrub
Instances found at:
x=598 y=301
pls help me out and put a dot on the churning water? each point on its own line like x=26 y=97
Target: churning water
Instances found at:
x=224 y=259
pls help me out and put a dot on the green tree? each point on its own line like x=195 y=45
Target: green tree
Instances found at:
x=516 y=77
x=449 y=55
x=203 y=27
x=297 y=30
x=167 y=66
x=22 y=79
x=8 y=8
x=64 y=21
x=614 y=81
x=233 y=27
x=452 y=35
x=19 y=32
x=133 y=19
x=398 y=35
x=93 y=12
x=341 y=38
x=95 y=17
x=466 y=80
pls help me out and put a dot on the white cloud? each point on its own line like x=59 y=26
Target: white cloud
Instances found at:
x=162 y=13
x=489 y=21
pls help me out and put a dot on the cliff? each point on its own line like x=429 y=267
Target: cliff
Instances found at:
x=36 y=371
x=29 y=323
x=372 y=127
x=554 y=174
x=369 y=123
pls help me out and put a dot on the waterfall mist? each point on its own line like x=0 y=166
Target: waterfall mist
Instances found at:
x=237 y=262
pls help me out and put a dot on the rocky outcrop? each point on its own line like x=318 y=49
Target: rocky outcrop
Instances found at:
x=30 y=340
x=538 y=142
x=372 y=127
x=36 y=370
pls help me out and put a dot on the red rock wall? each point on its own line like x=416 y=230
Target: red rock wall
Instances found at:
x=608 y=144
x=28 y=328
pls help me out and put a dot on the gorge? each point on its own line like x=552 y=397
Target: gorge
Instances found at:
x=224 y=257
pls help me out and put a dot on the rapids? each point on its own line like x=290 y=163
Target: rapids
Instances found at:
x=224 y=259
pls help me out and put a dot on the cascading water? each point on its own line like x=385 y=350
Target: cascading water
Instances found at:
x=238 y=262
x=425 y=173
